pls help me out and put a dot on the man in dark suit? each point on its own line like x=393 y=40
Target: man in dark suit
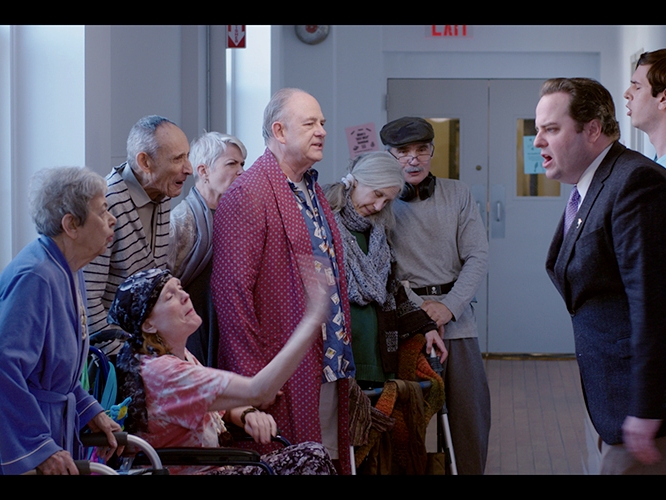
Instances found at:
x=609 y=265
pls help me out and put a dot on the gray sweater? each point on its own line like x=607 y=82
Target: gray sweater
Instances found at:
x=440 y=240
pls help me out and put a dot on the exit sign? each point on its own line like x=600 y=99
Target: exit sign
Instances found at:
x=236 y=36
x=449 y=31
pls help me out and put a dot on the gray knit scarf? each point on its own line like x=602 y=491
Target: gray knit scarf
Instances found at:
x=367 y=274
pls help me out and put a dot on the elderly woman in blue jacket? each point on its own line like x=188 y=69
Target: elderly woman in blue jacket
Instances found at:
x=43 y=333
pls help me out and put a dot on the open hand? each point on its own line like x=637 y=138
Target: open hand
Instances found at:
x=317 y=278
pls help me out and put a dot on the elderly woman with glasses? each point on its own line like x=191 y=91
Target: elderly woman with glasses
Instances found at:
x=43 y=332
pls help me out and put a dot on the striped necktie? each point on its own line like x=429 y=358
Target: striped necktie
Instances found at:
x=572 y=208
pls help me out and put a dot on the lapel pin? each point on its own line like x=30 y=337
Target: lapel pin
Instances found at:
x=578 y=223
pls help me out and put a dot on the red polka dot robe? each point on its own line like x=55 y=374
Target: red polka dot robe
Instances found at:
x=258 y=235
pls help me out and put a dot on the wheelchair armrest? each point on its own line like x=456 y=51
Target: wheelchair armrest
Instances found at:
x=202 y=456
x=218 y=457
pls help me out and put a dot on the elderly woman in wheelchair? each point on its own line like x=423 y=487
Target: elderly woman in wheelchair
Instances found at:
x=177 y=402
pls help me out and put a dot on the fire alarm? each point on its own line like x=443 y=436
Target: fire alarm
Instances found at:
x=312 y=33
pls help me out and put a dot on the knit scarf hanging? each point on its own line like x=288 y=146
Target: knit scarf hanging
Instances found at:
x=367 y=274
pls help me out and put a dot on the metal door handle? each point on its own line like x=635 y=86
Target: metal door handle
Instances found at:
x=498 y=202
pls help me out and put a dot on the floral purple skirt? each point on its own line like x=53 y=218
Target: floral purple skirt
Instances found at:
x=307 y=458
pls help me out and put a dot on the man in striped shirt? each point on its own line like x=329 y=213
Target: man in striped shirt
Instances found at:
x=139 y=194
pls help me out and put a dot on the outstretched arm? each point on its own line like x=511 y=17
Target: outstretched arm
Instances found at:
x=263 y=387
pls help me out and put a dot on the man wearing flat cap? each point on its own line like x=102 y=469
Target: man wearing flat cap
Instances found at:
x=442 y=257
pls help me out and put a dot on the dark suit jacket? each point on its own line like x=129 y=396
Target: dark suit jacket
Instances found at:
x=611 y=271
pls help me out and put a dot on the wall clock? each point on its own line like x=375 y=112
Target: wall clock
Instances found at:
x=312 y=33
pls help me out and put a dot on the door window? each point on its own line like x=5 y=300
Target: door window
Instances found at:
x=531 y=178
x=446 y=157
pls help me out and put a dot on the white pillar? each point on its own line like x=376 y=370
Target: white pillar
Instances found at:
x=44 y=122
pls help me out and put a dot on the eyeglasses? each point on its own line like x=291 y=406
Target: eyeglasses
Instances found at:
x=423 y=154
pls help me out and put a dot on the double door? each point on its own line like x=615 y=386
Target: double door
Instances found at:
x=484 y=134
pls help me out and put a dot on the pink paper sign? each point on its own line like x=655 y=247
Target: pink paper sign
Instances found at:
x=362 y=139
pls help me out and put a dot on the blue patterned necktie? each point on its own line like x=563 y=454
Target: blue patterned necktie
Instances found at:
x=572 y=208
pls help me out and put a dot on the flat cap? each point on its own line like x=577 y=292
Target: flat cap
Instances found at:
x=406 y=130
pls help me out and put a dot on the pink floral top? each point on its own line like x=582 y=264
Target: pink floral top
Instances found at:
x=178 y=395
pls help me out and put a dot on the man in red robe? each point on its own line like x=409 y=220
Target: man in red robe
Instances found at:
x=272 y=221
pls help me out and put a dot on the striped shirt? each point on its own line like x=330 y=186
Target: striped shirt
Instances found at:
x=129 y=252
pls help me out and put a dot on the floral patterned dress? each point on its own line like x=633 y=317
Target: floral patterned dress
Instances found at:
x=178 y=395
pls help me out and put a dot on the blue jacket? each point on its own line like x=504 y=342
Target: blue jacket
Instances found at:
x=43 y=348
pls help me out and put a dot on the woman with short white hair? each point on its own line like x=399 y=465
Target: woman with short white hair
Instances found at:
x=217 y=160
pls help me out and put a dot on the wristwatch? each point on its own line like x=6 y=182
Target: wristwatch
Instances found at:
x=245 y=412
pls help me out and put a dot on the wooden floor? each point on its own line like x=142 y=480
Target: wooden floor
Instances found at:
x=538 y=418
x=539 y=423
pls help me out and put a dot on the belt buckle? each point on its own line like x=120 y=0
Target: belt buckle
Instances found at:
x=434 y=290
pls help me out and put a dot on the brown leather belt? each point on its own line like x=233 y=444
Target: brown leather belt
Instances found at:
x=434 y=289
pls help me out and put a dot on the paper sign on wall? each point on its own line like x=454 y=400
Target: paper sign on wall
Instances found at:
x=532 y=158
x=362 y=139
